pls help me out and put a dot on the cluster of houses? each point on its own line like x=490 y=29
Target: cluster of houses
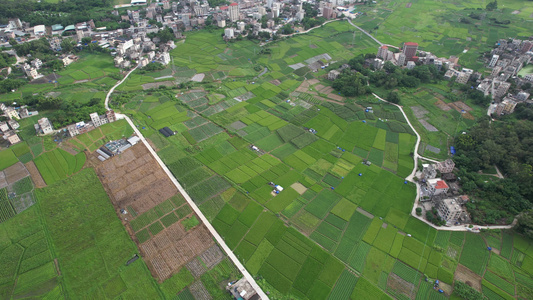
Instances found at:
x=8 y=129
x=439 y=190
x=409 y=56
x=32 y=69
x=141 y=48
x=96 y=121
x=507 y=60
x=133 y=44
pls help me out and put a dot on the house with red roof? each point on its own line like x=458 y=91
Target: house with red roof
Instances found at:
x=437 y=186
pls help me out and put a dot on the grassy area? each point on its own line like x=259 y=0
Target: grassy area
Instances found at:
x=7 y=158
x=28 y=258
x=436 y=27
x=90 y=241
x=430 y=104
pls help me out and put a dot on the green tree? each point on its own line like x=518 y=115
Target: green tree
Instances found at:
x=394 y=97
x=86 y=40
x=287 y=29
x=525 y=223
x=351 y=84
x=67 y=45
x=492 y=5
x=467 y=292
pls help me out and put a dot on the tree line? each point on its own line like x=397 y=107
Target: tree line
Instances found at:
x=63 y=12
x=64 y=112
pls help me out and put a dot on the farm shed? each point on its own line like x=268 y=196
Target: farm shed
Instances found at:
x=133 y=140
x=166 y=131
x=104 y=149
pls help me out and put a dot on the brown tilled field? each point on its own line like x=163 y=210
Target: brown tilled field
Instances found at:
x=401 y=286
x=135 y=181
x=465 y=275
x=166 y=254
x=15 y=173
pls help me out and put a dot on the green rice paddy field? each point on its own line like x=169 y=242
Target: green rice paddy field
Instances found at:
x=338 y=229
x=331 y=247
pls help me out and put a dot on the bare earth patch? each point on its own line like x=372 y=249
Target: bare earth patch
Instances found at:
x=313 y=46
x=460 y=107
x=364 y=212
x=68 y=149
x=428 y=126
x=401 y=286
x=15 y=173
x=419 y=111
x=303 y=87
x=327 y=90
x=134 y=179
x=465 y=275
x=319 y=88
x=199 y=291
x=172 y=248
x=336 y=97
x=3 y=182
x=299 y=188
x=443 y=106
x=198 y=77
x=275 y=82
x=35 y=175
x=408 y=5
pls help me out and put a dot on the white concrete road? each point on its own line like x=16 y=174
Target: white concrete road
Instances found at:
x=210 y=227
x=416 y=157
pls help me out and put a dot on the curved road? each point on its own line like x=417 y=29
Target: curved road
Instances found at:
x=210 y=227
x=410 y=178
x=416 y=157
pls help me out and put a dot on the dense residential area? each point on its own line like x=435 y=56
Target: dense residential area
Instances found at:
x=266 y=149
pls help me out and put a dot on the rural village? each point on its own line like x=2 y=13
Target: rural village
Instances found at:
x=265 y=149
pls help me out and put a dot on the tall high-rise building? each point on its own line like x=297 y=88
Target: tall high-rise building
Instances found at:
x=409 y=49
x=327 y=12
x=526 y=46
x=382 y=51
x=493 y=61
x=234 y=12
x=96 y=119
x=401 y=59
